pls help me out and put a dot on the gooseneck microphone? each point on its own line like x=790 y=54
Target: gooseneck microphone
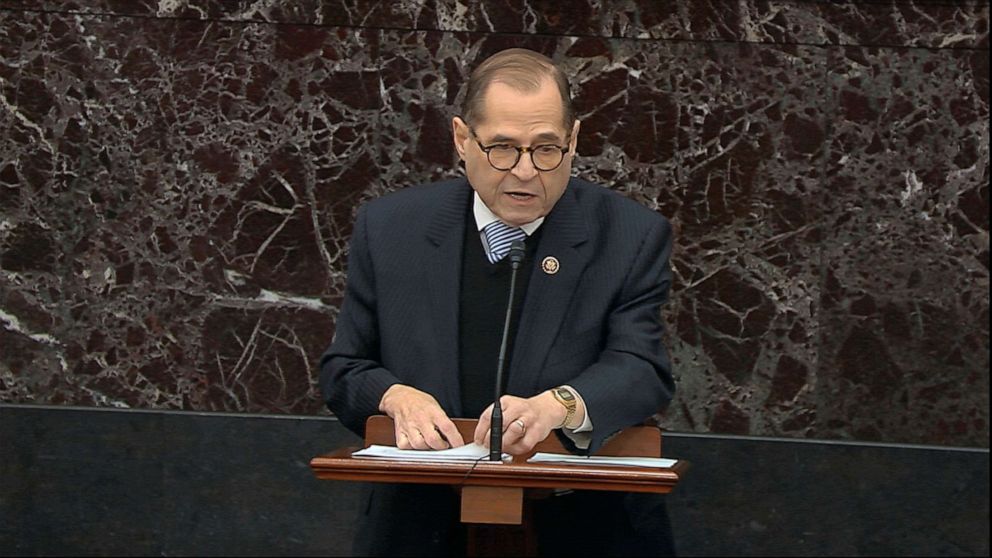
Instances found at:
x=516 y=256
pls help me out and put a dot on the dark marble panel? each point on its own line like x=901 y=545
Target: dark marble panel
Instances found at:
x=750 y=497
x=911 y=23
x=177 y=196
x=244 y=486
x=80 y=483
x=905 y=259
x=729 y=149
x=928 y=24
x=107 y=482
x=176 y=214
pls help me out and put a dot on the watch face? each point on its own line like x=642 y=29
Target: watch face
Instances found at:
x=564 y=394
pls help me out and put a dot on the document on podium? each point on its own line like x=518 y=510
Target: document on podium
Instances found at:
x=658 y=462
x=468 y=452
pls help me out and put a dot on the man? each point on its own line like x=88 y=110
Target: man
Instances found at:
x=419 y=330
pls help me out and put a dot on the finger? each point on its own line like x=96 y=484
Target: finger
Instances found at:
x=450 y=432
x=434 y=440
x=522 y=446
x=417 y=440
x=486 y=436
x=514 y=432
x=517 y=428
x=482 y=429
x=533 y=435
x=403 y=441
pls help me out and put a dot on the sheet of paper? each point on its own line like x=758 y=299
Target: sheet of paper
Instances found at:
x=602 y=460
x=468 y=452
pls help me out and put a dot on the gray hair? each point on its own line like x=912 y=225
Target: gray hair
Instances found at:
x=521 y=69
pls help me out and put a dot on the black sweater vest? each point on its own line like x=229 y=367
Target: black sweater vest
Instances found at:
x=485 y=289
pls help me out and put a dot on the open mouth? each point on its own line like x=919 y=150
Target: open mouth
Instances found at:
x=521 y=196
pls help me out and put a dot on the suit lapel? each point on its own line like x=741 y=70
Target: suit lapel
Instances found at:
x=548 y=295
x=443 y=269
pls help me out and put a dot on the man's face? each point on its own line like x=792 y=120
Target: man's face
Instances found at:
x=510 y=117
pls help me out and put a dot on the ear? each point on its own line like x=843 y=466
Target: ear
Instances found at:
x=460 y=135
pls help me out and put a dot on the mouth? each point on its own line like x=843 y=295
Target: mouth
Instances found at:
x=521 y=196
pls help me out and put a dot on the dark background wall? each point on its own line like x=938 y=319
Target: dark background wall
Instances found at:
x=159 y=483
x=178 y=181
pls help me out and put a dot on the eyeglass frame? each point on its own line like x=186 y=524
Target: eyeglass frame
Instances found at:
x=520 y=151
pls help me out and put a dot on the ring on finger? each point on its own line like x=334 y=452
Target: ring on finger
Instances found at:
x=521 y=424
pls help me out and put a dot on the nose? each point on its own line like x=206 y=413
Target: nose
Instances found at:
x=524 y=170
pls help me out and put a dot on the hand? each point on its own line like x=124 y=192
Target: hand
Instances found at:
x=526 y=422
x=418 y=419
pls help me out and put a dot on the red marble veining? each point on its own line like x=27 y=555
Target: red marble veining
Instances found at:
x=178 y=185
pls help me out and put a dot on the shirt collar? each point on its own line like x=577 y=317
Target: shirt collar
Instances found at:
x=484 y=216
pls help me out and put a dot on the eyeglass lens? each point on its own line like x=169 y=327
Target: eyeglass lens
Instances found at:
x=544 y=157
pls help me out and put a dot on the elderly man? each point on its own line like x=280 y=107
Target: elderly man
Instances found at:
x=420 y=327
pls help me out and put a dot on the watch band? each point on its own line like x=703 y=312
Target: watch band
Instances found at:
x=565 y=396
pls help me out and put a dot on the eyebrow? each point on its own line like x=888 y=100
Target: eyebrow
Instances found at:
x=543 y=137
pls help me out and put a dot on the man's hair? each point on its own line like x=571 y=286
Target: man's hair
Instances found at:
x=520 y=69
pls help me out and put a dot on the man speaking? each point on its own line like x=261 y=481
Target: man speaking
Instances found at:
x=420 y=329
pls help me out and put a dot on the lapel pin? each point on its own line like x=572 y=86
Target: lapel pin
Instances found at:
x=550 y=265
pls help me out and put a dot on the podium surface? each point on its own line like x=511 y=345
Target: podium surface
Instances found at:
x=492 y=491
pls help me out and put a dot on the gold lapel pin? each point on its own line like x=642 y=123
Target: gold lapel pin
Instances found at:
x=550 y=265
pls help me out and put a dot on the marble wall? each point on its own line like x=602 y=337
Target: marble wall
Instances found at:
x=178 y=181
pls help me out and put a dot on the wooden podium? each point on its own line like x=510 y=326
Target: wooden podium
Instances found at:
x=493 y=493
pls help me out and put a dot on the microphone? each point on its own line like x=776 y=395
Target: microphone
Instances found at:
x=496 y=424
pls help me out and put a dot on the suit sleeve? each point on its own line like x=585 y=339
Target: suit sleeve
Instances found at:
x=352 y=379
x=632 y=378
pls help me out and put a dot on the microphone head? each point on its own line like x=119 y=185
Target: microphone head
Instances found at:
x=517 y=252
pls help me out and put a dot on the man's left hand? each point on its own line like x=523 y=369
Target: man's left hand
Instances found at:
x=526 y=422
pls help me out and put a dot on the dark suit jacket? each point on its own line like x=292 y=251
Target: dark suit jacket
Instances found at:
x=595 y=324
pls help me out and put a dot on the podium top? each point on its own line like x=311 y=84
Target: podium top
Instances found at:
x=639 y=440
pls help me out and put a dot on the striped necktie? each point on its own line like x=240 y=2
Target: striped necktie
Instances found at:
x=500 y=236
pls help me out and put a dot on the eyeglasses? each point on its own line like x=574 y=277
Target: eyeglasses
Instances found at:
x=503 y=157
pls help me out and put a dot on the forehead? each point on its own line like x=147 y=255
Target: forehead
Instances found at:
x=514 y=114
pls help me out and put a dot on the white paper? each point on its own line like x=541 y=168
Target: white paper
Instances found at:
x=468 y=452
x=602 y=460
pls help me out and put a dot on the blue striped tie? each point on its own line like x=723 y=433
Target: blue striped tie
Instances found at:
x=500 y=236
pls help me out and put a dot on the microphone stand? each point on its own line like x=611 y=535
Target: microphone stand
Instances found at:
x=496 y=424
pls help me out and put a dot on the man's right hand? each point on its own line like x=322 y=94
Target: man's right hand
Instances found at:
x=419 y=421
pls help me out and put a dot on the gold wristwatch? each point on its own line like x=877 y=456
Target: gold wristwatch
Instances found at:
x=564 y=396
